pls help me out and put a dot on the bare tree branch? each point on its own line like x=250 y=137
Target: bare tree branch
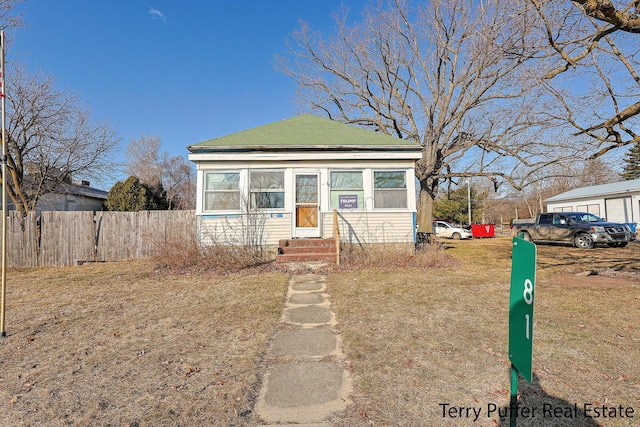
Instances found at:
x=621 y=18
x=581 y=35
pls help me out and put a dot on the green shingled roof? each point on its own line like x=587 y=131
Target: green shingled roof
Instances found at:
x=305 y=131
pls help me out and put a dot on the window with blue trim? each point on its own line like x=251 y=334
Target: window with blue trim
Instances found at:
x=222 y=191
x=266 y=189
x=389 y=189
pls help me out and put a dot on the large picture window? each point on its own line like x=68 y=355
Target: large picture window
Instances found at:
x=266 y=189
x=347 y=190
x=389 y=189
x=222 y=191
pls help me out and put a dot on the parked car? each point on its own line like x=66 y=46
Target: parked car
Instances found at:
x=582 y=229
x=448 y=231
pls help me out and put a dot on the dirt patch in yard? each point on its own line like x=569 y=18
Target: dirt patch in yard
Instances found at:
x=599 y=267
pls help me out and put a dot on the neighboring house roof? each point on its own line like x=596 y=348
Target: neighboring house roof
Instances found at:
x=613 y=189
x=86 y=197
x=81 y=190
x=305 y=132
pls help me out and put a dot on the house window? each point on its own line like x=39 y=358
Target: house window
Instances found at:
x=266 y=189
x=222 y=191
x=390 y=189
x=347 y=190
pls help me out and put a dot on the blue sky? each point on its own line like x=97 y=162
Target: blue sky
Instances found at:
x=185 y=71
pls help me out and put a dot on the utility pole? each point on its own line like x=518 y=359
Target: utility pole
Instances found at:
x=3 y=292
x=469 y=199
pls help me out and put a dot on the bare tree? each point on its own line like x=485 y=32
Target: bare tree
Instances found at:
x=592 y=69
x=8 y=18
x=150 y=165
x=447 y=74
x=50 y=139
x=624 y=16
x=143 y=159
x=558 y=178
x=179 y=178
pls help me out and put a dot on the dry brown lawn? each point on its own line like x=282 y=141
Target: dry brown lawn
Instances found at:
x=123 y=344
x=417 y=340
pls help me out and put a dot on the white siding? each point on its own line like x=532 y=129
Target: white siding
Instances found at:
x=324 y=174
x=235 y=229
x=371 y=227
x=355 y=228
x=617 y=202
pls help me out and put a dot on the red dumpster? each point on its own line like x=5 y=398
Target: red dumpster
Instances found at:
x=483 y=230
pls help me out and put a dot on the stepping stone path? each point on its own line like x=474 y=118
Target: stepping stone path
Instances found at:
x=305 y=380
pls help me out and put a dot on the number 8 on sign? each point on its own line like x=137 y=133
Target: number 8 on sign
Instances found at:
x=528 y=292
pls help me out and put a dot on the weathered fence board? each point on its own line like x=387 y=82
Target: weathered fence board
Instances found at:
x=117 y=236
x=22 y=240
x=66 y=238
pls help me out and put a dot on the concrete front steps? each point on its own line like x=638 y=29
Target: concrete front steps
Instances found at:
x=306 y=250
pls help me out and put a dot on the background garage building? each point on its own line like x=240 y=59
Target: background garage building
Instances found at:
x=617 y=202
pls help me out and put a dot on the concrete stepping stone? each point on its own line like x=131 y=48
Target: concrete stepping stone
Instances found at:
x=312 y=314
x=306 y=299
x=296 y=384
x=307 y=286
x=304 y=342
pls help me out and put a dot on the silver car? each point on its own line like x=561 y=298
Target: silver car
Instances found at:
x=448 y=231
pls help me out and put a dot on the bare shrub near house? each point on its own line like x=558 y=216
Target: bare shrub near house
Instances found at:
x=386 y=256
x=176 y=254
x=247 y=231
x=187 y=254
x=236 y=245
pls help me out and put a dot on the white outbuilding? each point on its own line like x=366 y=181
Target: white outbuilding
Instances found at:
x=617 y=202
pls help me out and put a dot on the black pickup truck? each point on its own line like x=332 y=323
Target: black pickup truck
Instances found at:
x=583 y=230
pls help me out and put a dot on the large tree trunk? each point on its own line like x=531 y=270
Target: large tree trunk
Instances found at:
x=428 y=191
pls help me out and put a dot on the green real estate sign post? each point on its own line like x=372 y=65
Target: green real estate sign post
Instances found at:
x=523 y=279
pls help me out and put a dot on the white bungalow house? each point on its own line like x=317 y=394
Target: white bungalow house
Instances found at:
x=285 y=179
x=617 y=202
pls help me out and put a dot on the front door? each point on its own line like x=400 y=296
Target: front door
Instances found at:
x=307 y=206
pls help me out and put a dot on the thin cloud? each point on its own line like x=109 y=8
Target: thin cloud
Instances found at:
x=156 y=14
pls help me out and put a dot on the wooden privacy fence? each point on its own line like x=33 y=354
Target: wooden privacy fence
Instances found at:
x=67 y=238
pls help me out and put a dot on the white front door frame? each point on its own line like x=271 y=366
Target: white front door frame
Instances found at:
x=306 y=216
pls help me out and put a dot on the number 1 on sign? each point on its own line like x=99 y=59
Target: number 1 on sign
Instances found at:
x=527 y=329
